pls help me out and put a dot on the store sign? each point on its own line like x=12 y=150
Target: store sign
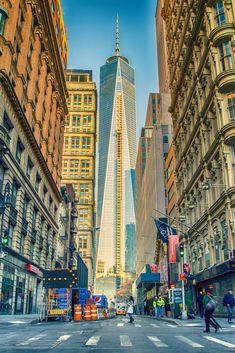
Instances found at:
x=33 y=269
x=173 y=244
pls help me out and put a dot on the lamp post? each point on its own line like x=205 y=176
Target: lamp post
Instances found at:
x=6 y=203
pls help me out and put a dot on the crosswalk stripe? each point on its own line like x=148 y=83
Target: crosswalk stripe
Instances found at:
x=125 y=341
x=188 y=341
x=157 y=342
x=93 y=341
x=137 y=325
x=223 y=343
x=120 y=324
x=155 y=325
x=30 y=340
x=171 y=325
x=60 y=340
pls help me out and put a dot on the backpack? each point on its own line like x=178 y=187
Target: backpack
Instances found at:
x=211 y=305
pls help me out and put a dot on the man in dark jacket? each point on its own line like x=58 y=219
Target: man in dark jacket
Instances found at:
x=229 y=302
x=200 y=304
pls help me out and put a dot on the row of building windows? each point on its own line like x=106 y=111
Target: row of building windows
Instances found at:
x=78 y=120
x=29 y=171
x=77 y=167
x=73 y=142
x=80 y=99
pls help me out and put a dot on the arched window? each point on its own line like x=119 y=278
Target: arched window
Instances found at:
x=3 y=17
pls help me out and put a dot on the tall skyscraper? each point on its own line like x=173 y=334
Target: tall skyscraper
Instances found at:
x=116 y=177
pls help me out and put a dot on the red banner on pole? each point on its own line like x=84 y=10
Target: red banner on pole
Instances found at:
x=173 y=244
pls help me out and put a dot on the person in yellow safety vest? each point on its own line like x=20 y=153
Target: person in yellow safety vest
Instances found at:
x=160 y=306
x=155 y=306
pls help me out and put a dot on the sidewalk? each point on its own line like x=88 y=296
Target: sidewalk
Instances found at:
x=18 y=319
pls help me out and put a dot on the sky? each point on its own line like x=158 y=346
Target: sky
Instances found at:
x=90 y=28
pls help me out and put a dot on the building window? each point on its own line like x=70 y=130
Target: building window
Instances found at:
x=66 y=142
x=44 y=193
x=83 y=242
x=37 y=182
x=69 y=100
x=76 y=119
x=25 y=207
x=225 y=55
x=87 y=99
x=3 y=17
x=165 y=139
x=87 y=121
x=67 y=121
x=75 y=142
x=22 y=242
x=86 y=143
x=19 y=150
x=7 y=122
x=29 y=168
x=14 y=193
x=219 y=12
x=77 y=99
x=85 y=167
x=84 y=190
x=10 y=232
x=231 y=107
x=170 y=169
x=52 y=6
x=170 y=192
x=20 y=21
x=83 y=214
x=31 y=251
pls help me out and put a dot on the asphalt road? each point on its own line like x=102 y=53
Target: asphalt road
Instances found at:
x=145 y=335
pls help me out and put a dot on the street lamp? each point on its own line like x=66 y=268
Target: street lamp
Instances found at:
x=6 y=203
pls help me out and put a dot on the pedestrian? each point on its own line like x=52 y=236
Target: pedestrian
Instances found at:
x=209 y=304
x=200 y=304
x=155 y=307
x=160 y=306
x=130 y=310
x=229 y=302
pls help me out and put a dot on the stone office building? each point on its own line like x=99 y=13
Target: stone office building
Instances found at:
x=33 y=57
x=200 y=40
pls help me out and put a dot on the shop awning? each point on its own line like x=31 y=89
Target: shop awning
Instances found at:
x=147 y=278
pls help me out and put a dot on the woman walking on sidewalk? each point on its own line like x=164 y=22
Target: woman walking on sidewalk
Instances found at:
x=209 y=304
x=130 y=310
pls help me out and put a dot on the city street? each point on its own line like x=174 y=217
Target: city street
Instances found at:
x=115 y=335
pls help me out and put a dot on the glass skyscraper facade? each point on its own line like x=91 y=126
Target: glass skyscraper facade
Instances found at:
x=116 y=176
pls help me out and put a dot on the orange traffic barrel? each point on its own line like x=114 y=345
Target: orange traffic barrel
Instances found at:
x=94 y=314
x=87 y=313
x=77 y=313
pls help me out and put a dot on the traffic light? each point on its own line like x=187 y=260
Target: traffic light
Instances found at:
x=5 y=238
x=181 y=250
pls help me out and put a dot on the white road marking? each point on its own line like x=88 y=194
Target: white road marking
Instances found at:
x=16 y=322
x=157 y=342
x=155 y=325
x=80 y=332
x=192 y=325
x=60 y=340
x=125 y=341
x=93 y=341
x=137 y=325
x=171 y=325
x=30 y=340
x=120 y=324
x=188 y=341
x=223 y=343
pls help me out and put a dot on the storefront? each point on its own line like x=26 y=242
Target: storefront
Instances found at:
x=20 y=286
x=218 y=279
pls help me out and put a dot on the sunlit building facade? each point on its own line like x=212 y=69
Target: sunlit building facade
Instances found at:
x=78 y=166
x=116 y=177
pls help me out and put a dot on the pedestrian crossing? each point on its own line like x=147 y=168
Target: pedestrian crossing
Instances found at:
x=124 y=340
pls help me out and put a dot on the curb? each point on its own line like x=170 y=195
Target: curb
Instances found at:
x=173 y=321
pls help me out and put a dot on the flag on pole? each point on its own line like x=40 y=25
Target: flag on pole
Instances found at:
x=164 y=230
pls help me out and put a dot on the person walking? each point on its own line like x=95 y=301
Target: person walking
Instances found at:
x=130 y=310
x=209 y=304
x=200 y=304
x=160 y=306
x=229 y=302
x=155 y=307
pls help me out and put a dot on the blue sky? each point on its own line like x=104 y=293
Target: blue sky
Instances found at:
x=91 y=38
